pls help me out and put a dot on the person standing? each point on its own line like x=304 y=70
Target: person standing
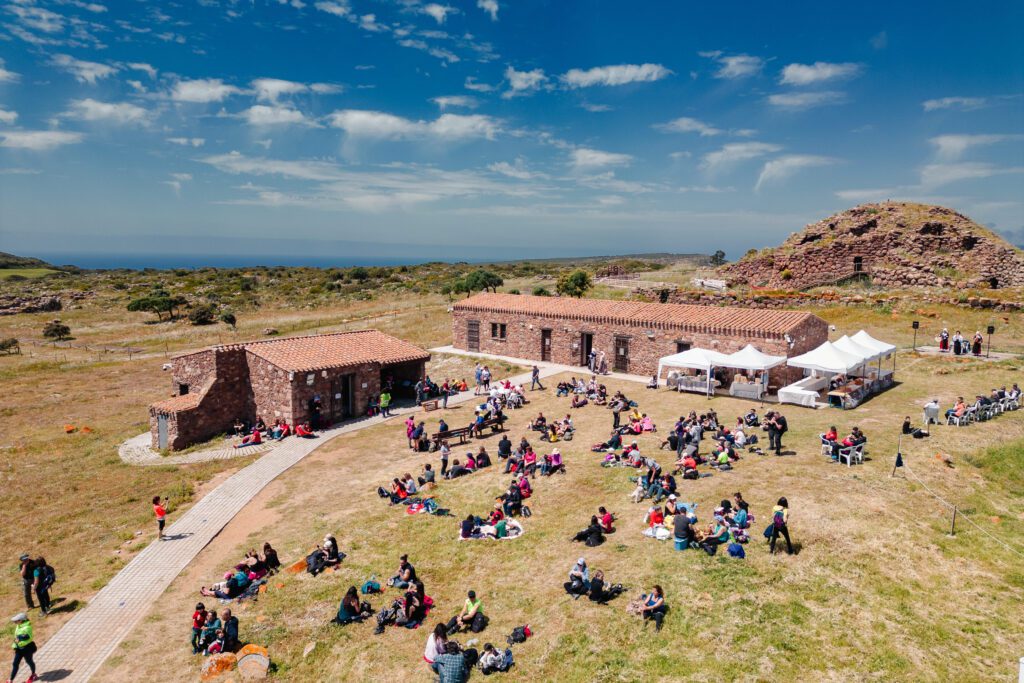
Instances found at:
x=485 y=379
x=776 y=427
x=160 y=510
x=26 y=579
x=385 y=403
x=43 y=578
x=446 y=389
x=445 y=453
x=780 y=526
x=478 y=373
x=419 y=388
x=535 y=379
x=24 y=646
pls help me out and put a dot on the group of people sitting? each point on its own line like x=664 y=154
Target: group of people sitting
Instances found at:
x=958 y=344
x=598 y=589
x=600 y=524
x=730 y=523
x=831 y=438
x=281 y=429
x=1002 y=398
x=583 y=392
x=524 y=459
x=556 y=430
x=245 y=576
x=213 y=634
x=324 y=556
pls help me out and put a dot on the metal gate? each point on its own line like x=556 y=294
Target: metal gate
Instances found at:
x=622 y=354
x=473 y=335
x=545 y=345
x=161 y=432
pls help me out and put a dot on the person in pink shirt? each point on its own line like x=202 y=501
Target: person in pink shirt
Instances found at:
x=530 y=463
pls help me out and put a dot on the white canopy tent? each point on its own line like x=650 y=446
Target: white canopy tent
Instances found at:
x=749 y=358
x=826 y=358
x=696 y=359
x=865 y=339
x=855 y=348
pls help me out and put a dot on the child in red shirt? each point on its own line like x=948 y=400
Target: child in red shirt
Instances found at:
x=161 y=514
x=198 y=620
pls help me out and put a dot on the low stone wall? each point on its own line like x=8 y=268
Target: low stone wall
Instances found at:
x=784 y=300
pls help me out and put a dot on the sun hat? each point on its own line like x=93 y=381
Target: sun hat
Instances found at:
x=672 y=496
x=555 y=451
x=20 y=616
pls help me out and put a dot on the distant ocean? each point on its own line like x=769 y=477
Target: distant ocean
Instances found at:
x=169 y=261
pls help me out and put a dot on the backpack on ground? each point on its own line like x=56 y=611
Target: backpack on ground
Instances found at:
x=371 y=586
x=527 y=512
x=594 y=540
x=315 y=562
x=519 y=635
x=382 y=493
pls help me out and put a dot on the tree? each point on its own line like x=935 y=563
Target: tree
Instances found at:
x=228 y=318
x=158 y=302
x=203 y=314
x=446 y=290
x=483 y=280
x=541 y=291
x=56 y=330
x=574 y=284
x=718 y=258
x=10 y=345
x=359 y=273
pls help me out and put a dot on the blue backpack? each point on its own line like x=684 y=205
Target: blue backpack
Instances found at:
x=736 y=550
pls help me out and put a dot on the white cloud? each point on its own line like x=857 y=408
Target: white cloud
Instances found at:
x=472 y=84
x=446 y=101
x=38 y=140
x=523 y=82
x=438 y=12
x=8 y=117
x=262 y=115
x=338 y=9
x=182 y=176
x=112 y=112
x=489 y=6
x=734 y=66
x=368 y=22
x=515 y=170
x=935 y=175
x=799 y=101
x=177 y=179
x=325 y=88
x=952 y=147
x=84 y=72
x=619 y=74
x=961 y=103
x=685 y=124
x=705 y=189
x=185 y=142
x=203 y=90
x=440 y=53
x=595 y=108
x=269 y=89
x=735 y=152
x=7 y=76
x=37 y=18
x=142 y=66
x=819 y=72
x=880 y=40
x=358 y=123
x=680 y=155
x=784 y=167
x=585 y=159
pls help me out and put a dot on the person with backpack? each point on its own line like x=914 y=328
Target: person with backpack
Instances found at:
x=24 y=647
x=780 y=526
x=471 y=617
x=579 y=579
x=44 y=577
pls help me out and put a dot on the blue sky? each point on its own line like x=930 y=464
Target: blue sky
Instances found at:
x=276 y=130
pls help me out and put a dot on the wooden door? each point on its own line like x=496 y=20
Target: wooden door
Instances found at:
x=161 y=432
x=473 y=335
x=545 y=345
x=622 y=354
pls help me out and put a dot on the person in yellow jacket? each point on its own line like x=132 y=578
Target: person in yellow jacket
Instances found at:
x=24 y=647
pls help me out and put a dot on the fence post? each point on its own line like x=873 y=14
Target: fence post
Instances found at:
x=952 y=528
x=1020 y=671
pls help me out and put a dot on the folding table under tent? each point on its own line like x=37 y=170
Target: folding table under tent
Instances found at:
x=695 y=359
x=749 y=358
x=826 y=359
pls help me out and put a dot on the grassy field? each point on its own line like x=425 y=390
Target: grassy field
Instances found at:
x=867 y=598
x=25 y=273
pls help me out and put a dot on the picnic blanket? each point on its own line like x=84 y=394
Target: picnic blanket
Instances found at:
x=486 y=532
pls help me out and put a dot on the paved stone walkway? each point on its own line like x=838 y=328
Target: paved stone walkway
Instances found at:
x=547 y=368
x=78 y=649
x=137 y=451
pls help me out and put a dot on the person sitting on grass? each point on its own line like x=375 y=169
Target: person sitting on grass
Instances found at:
x=525 y=490
x=614 y=443
x=233 y=585
x=406 y=574
x=655 y=517
x=539 y=423
x=653 y=384
x=483 y=459
x=436 y=643
x=427 y=479
x=230 y=628
x=682 y=527
x=494 y=660
x=563 y=389
x=398 y=492
x=578 y=401
x=654 y=606
x=209 y=630
x=332 y=554
x=254 y=439
x=592 y=536
x=600 y=592
x=470 y=618
x=530 y=463
x=751 y=419
x=672 y=507
x=217 y=645
x=504 y=447
x=717 y=534
x=579 y=579
x=647 y=424
x=304 y=430
x=468 y=527
x=606 y=520
x=457 y=470
x=553 y=463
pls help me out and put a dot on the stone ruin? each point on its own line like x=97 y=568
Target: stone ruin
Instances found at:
x=893 y=244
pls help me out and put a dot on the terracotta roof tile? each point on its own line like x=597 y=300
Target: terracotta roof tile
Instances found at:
x=178 y=403
x=722 y=319
x=315 y=352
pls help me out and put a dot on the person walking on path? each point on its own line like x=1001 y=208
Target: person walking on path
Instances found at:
x=24 y=647
x=535 y=379
x=385 y=403
x=780 y=526
x=43 y=578
x=27 y=579
x=160 y=510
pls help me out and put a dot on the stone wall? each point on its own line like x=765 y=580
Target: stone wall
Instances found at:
x=365 y=383
x=271 y=390
x=646 y=346
x=794 y=299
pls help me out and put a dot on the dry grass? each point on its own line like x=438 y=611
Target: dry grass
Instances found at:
x=868 y=597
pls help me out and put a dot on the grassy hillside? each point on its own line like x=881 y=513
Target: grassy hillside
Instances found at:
x=12 y=261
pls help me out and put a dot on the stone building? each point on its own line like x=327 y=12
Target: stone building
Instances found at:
x=632 y=334
x=279 y=378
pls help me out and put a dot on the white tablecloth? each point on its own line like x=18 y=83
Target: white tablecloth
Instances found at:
x=750 y=390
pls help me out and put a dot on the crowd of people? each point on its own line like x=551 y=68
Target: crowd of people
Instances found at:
x=244 y=578
x=959 y=345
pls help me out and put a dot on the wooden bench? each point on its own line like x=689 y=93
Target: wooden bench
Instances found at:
x=432 y=404
x=461 y=433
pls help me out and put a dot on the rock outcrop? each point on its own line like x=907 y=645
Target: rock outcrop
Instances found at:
x=895 y=244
